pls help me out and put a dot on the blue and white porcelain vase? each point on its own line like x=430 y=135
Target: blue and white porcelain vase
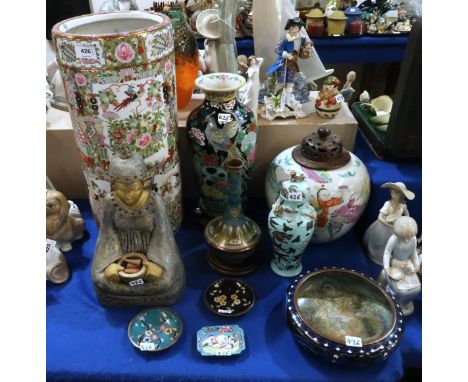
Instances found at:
x=291 y=224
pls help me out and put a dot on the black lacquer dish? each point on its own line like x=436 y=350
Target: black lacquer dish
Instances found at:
x=343 y=316
x=229 y=297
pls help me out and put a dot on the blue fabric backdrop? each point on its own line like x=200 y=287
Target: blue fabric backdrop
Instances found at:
x=86 y=342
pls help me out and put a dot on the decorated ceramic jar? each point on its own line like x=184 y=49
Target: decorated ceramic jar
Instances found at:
x=220 y=129
x=344 y=316
x=118 y=72
x=315 y=22
x=354 y=25
x=338 y=182
x=291 y=224
x=336 y=23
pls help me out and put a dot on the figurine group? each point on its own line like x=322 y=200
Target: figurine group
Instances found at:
x=391 y=242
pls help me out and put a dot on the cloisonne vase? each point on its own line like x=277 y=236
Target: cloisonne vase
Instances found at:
x=233 y=237
x=291 y=224
x=119 y=76
x=219 y=129
x=186 y=55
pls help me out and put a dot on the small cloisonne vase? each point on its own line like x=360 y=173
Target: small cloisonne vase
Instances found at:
x=233 y=237
x=220 y=129
x=186 y=55
x=291 y=224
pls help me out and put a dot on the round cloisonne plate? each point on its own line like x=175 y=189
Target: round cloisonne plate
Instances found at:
x=229 y=297
x=155 y=329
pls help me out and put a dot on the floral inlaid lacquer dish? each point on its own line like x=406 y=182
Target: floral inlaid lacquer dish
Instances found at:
x=229 y=297
x=343 y=316
x=223 y=340
x=155 y=329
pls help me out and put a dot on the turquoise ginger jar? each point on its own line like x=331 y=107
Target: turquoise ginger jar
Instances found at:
x=291 y=225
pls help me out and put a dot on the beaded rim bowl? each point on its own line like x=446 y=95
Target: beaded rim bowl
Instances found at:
x=338 y=351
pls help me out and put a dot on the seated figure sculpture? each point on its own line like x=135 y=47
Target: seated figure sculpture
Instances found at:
x=136 y=261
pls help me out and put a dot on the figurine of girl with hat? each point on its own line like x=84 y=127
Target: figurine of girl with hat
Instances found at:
x=378 y=233
x=292 y=46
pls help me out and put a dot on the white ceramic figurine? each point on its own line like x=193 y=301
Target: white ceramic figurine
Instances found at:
x=401 y=263
x=378 y=233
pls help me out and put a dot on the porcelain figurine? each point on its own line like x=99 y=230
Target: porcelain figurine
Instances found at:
x=220 y=25
x=348 y=90
x=378 y=233
x=56 y=265
x=248 y=95
x=401 y=263
x=338 y=182
x=64 y=223
x=327 y=105
x=291 y=224
x=118 y=5
x=233 y=237
x=136 y=260
x=293 y=46
x=220 y=128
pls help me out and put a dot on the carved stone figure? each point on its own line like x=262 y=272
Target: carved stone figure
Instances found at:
x=136 y=261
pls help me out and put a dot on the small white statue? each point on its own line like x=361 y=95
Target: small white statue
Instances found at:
x=248 y=94
x=64 y=223
x=401 y=263
x=56 y=264
x=378 y=233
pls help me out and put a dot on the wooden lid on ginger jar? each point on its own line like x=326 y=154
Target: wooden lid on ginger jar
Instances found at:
x=321 y=151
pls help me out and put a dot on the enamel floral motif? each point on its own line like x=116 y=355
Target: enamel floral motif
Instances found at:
x=123 y=94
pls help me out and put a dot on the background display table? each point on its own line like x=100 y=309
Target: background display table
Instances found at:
x=86 y=341
x=341 y=50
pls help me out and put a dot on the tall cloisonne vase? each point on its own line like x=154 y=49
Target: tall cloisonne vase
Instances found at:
x=186 y=55
x=220 y=129
x=291 y=224
x=118 y=71
x=233 y=237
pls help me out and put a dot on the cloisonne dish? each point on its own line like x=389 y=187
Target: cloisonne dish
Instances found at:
x=223 y=340
x=155 y=329
x=343 y=316
x=229 y=297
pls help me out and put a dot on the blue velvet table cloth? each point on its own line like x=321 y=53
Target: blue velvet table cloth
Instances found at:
x=346 y=50
x=87 y=342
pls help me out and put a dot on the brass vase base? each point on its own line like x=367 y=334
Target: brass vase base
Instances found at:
x=231 y=269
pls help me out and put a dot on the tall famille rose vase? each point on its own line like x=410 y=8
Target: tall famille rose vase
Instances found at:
x=119 y=75
x=218 y=130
